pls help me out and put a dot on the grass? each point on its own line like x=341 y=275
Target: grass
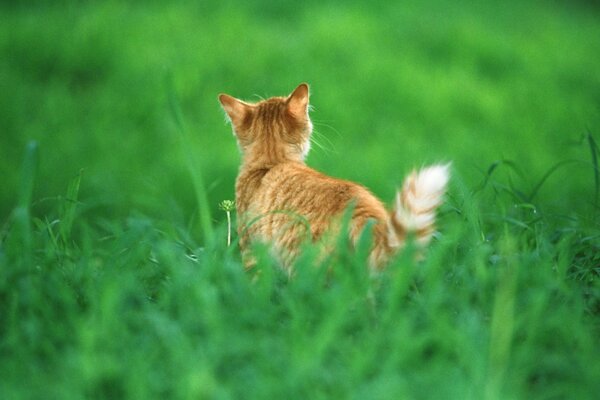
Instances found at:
x=138 y=309
x=116 y=278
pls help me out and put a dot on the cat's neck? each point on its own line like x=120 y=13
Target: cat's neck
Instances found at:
x=262 y=163
x=267 y=153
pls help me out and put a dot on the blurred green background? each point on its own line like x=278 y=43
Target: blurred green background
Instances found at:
x=113 y=292
x=394 y=85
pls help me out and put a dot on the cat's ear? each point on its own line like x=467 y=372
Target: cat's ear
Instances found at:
x=298 y=101
x=236 y=109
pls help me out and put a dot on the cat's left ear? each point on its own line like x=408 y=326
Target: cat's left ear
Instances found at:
x=236 y=109
x=298 y=101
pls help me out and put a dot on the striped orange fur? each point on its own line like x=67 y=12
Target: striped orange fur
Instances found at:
x=283 y=202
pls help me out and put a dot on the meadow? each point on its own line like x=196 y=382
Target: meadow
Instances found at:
x=116 y=280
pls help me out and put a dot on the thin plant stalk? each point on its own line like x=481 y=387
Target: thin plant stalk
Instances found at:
x=228 y=206
x=228 y=228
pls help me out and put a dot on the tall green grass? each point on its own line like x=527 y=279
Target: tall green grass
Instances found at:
x=203 y=206
x=503 y=307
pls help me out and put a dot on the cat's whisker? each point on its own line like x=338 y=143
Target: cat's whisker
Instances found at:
x=324 y=137
x=321 y=123
x=258 y=96
x=327 y=149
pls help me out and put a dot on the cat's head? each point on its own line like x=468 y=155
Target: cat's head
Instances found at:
x=273 y=130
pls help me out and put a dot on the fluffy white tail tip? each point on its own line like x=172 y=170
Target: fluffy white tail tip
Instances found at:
x=421 y=194
x=432 y=181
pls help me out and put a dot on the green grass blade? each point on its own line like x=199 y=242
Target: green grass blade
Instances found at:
x=594 y=150
x=547 y=175
x=28 y=171
x=68 y=208
x=192 y=163
x=21 y=245
x=502 y=322
x=511 y=165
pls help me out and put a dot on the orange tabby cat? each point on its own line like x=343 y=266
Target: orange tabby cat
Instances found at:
x=282 y=201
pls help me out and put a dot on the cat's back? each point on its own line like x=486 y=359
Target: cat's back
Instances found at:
x=295 y=186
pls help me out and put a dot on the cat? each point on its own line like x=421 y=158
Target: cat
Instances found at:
x=283 y=202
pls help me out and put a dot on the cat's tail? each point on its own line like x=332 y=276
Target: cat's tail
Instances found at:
x=416 y=204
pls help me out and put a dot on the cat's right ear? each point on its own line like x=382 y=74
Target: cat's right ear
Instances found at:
x=235 y=109
x=298 y=101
